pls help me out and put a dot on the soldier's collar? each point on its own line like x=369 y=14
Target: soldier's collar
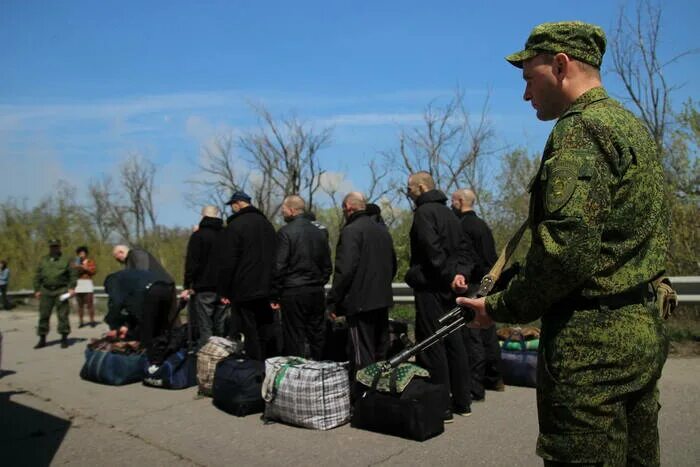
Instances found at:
x=584 y=100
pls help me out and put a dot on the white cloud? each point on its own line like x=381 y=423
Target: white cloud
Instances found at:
x=371 y=119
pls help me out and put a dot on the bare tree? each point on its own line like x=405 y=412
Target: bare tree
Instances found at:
x=637 y=63
x=449 y=145
x=284 y=155
x=221 y=173
x=137 y=176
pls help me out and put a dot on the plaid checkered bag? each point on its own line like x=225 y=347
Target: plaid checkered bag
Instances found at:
x=216 y=348
x=306 y=393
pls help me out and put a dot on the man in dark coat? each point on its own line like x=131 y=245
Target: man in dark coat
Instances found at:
x=208 y=313
x=302 y=268
x=139 y=304
x=365 y=265
x=441 y=261
x=246 y=263
x=481 y=342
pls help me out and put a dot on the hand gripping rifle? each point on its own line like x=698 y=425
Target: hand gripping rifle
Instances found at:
x=458 y=317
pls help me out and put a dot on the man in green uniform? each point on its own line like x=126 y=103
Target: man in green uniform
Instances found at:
x=599 y=237
x=54 y=277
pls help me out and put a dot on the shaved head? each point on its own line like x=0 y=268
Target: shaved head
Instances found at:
x=120 y=252
x=210 y=211
x=463 y=200
x=423 y=178
x=295 y=202
x=355 y=200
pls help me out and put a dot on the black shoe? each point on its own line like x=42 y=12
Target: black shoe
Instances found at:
x=478 y=399
x=64 y=341
x=81 y=325
x=447 y=416
x=93 y=324
x=42 y=343
x=463 y=411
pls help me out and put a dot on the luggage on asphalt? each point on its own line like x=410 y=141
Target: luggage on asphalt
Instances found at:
x=216 y=348
x=519 y=355
x=238 y=384
x=519 y=367
x=306 y=393
x=178 y=371
x=399 y=402
x=112 y=368
x=172 y=362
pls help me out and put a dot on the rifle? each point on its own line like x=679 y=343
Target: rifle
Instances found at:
x=458 y=317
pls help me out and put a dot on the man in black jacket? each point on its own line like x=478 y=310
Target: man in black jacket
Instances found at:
x=246 y=263
x=199 y=284
x=482 y=343
x=302 y=268
x=365 y=265
x=441 y=260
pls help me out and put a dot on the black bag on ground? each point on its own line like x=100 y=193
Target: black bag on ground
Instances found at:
x=415 y=413
x=238 y=384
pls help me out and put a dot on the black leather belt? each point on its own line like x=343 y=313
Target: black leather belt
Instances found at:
x=640 y=294
x=53 y=288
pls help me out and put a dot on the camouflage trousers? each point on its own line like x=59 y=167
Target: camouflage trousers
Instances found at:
x=47 y=302
x=597 y=395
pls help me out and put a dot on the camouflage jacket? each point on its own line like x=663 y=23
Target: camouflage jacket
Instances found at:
x=54 y=274
x=597 y=217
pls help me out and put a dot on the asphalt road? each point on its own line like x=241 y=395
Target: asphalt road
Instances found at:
x=48 y=415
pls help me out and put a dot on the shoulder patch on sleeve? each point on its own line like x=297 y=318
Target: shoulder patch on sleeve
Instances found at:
x=561 y=184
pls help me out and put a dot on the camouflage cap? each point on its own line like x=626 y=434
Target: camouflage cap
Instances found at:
x=583 y=41
x=54 y=242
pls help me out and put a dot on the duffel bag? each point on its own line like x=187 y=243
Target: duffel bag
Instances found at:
x=112 y=368
x=400 y=403
x=519 y=367
x=208 y=356
x=238 y=385
x=178 y=371
x=306 y=393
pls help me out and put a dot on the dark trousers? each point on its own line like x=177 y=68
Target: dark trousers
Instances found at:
x=303 y=324
x=260 y=327
x=446 y=361
x=208 y=315
x=156 y=314
x=369 y=337
x=484 y=359
x=3 y=294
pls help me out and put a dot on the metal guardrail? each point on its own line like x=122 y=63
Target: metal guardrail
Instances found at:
x=687 y=287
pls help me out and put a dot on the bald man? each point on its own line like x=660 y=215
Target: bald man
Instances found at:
x=138 y=258
x=365 y=265
x=481 y=342
x=201 y=268
x=302 y=269
x=441 y=262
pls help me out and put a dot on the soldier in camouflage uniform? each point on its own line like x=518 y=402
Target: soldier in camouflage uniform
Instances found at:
x=599 y=237
x=54 y=277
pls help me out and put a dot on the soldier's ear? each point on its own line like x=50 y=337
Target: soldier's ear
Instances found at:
x=560 y=66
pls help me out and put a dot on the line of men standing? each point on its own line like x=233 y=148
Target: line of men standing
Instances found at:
x=256 y=273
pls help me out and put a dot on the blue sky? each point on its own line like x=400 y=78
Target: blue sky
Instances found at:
x=86 y=83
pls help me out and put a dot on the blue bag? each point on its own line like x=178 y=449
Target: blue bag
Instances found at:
x=178 y=371
x=114 y=369
x=519 y=367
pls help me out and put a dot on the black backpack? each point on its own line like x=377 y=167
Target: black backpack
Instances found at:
x=238 y=384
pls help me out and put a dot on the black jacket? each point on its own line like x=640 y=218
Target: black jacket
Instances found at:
x=439 y=250
x=142 y=260
x=246 y=256
x=365 y=265
x=126 y=291
x=200 y=262
x=482 y=239
x=303 y=257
